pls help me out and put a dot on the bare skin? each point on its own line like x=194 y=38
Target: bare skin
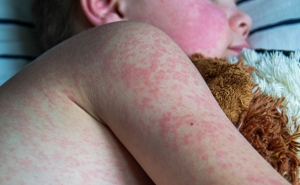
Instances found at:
x=116 y=105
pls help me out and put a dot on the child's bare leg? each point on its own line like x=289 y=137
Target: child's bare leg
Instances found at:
x=134 y=79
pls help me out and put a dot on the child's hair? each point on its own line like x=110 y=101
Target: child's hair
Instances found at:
x=53 y=20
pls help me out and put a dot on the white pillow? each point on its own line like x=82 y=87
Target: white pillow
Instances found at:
x=276 y=23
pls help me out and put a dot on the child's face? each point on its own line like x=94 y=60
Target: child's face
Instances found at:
x=212 y=27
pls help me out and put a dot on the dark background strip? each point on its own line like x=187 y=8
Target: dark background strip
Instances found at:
x=278 y=24
x=17 y=22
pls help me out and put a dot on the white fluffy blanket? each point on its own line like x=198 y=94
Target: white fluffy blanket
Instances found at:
x=277 y=74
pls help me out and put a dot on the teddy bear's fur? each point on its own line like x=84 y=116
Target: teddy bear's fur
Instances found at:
x=265 y=128
x=230 y=84
x=260 y=118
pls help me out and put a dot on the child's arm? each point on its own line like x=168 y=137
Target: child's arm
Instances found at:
x=134 y=79
x=157 y=104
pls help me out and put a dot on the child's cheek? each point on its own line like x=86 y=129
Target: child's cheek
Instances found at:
x=202 y=29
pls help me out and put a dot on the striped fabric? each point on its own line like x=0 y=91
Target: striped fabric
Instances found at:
x=18 y=44
x=276 y=23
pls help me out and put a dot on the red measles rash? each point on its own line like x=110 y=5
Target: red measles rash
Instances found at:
x=262 y=179
x=22 y=183
x=204 y=157
x=208 y=37
x=170 y=122
x=29 y=97
x=108 y=67
x=209 y=130
x=66 y=143
x=201 y=136
x=171 y=125
x=196 y=98
x=256 y=179
x=182 y=77
x=221 y=154
x=132 y=75
x=74 y=161
x=211 y=170
x=70 y=94
x=152 y=79
x=42 y=156
x=188 y=139
x=147 y=65
x=274 y=182
x=57 y=156
x=225 y=166
x=87 y=177
x=177 y=87
x=231 y=138
x=25 y=163
x=161 y=75
x=146 y=104
x=196 y=82
x=12 y=149
x=25 y=117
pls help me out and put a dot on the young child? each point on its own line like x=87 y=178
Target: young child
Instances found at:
x=122 y=103
x=194 y=26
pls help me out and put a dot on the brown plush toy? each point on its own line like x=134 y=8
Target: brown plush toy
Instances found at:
x=255 y=115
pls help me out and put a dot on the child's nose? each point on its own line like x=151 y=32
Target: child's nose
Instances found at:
x=240 y=23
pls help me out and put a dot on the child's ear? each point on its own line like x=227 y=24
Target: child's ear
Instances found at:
x=100 y=12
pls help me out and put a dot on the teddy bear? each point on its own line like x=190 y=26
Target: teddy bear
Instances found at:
x=261 y=118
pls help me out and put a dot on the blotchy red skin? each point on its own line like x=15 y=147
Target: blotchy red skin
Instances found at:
x=136 y=108
x=206 y=26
